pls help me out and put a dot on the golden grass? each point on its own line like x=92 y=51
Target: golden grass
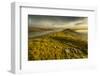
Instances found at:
x=66 y=44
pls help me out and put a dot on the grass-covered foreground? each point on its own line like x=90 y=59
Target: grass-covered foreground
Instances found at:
x=66 y=44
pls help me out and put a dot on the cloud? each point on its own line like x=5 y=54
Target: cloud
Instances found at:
x=55 y=21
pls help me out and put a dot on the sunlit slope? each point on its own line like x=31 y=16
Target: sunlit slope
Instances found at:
x=66 y=44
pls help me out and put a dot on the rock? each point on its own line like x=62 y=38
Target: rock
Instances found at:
x=67 y=50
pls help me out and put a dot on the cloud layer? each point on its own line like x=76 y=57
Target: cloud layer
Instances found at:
x=56 y=21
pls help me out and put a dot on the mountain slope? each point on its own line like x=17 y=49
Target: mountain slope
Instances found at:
x=66 y=44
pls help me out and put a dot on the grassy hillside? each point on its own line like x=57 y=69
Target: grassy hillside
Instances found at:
x=66 y=44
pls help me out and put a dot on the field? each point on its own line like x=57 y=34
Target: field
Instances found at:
x=65 y=44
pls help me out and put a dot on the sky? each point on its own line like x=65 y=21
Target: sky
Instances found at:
x=56 y=21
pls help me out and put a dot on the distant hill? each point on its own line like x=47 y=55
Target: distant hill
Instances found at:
x=35 y=29
x=66 y=44
x=41 y=29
